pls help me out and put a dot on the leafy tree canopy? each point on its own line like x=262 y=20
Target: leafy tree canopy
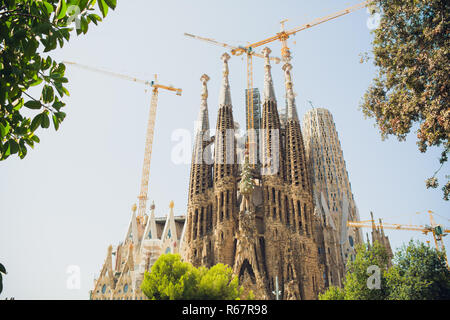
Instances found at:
x=418 y=273
x=355 y=283
x=29 y=29
x=411 y=49
x=172 y=279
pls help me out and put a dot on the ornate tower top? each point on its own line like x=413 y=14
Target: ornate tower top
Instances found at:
x=204 y=79
x=225 y=96
x=203 y=121
x=291 y=108
x=269 y=93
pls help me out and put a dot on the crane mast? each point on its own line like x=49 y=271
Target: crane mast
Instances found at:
x=143 y=194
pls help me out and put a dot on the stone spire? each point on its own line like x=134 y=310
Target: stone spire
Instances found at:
x=225 y=172
x=203 y=118
x=225 y=146
x=201 y=178
x=271 y=141
x=291 y=112
x=269 y=92
x=225 y=96
x=199 y=215
x=150 y=229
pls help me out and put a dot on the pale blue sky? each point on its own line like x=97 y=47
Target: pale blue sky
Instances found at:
x=71 y=196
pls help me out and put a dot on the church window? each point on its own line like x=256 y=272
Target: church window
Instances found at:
x=150 y=234
x=104 y=288
x=169 y=234
x=167 y=250
x=125 y=288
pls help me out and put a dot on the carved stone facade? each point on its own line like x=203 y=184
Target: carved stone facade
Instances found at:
x=256 y=217
x=146 y=239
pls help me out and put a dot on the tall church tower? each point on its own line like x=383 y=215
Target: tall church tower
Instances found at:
x=200 y=216
x=225 y=173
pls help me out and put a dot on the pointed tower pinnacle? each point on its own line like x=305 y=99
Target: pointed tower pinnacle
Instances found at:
x=203 y=119
x=201 y=178
x=373 y=221
x=290 y=97
x=269 y=92
x=150 y=229
x=225 y=96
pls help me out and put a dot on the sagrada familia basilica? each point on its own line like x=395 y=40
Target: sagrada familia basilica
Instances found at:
x=279 y=222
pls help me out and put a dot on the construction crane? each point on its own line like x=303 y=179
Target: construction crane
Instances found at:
x=143 y=195
x=436 y=229
x=282 y=36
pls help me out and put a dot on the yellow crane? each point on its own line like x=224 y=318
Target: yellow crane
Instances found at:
x=435 y=229
x=143 y=195
x=282 y=36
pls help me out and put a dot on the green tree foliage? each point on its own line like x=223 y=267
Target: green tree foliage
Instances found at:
x=411 y=50
x=418 y=273
x=172 y=279
x=28 y=30
x=333 y=293
x=218 y=283
x=355 y=283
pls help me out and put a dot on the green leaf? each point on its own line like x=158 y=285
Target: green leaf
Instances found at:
x=61 y=9
x=45 y=123
x=14 y=146
x=6 y=149
x=37 y=82
x=103 y=7
x=82 y=5
x=35 y=138
x=61 y=115
x=84 y=25
x=48 y=93
x=35 y=123
x=94 y=18
x=4 y=130
x=111 y=3
x=55 y=122
x=48 y=7
x=33 y=104
x=58 y=104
